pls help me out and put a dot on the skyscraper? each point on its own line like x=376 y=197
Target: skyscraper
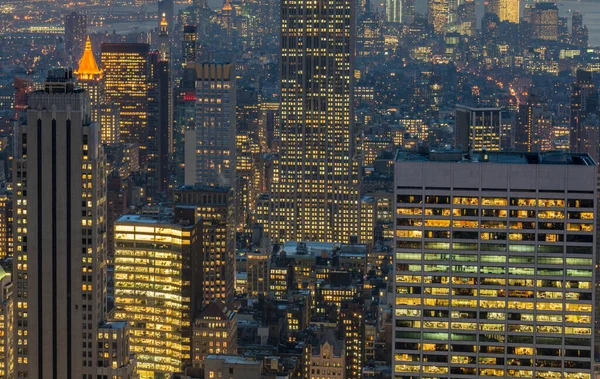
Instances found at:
x=60 y=240
x=210 y=148
x=506 y=10
x=158 y=288
x=89 y=77
x=393 y=10
x=584 y=103
x=125 y=67
x=528 y=113
x=315 y=194
x=188 y=46
x=494 y=265
x=438 y=14
x=477 y=128
x=543 y=20
x=579 y=32
x=75 y=33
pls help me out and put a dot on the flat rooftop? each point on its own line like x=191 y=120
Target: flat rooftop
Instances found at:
x=545 y=158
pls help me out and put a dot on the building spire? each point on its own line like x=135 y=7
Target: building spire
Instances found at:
x=88 y=68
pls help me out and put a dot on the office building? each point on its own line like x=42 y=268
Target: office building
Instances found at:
x=214 y=332
x=210 y=147
x=315 y=187
x=543 y=20
x=60 y=259
x=579 y=32
x=257 y=270
x=214 y=207
x=528 y=113
x=125 y=67
x=584 y=104
x=352 y=330
x=438 y=13
x=393 y=11
x=75 y=33
x=159 y=137
x=188 y=45
x=6 y=237
x=7 y=337
x=494 y=263
x=477 y=128
x=89 y=77
x=158 y=287
x=110 y=123
x=506 y=10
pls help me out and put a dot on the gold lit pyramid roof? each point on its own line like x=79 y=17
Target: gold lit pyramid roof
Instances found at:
x=227 y=6
x=87 y=65
x=163 y=21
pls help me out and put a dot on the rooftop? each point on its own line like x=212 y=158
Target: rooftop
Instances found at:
x=232 y=359
x=545 y=158
x=88 y=67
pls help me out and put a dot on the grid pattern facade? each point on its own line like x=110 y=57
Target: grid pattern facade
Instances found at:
x=315 y=186
x=153 y=294
x=125 y=69
x=494 y=282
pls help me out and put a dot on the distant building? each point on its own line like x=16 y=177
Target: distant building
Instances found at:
x=477 y=128
x=257 y=273
x=543 y=20
x=75 y=33
x=584 y=106
x=7 y=336
x=90 y=78
x=210 y=146
x=125 y=67
x=438 y=14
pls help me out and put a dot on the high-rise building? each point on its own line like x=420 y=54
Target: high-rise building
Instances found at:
x=188 y=46
x=89 y=77
x=110 y=123
x=210 y=148
x=393 y=11
x=214 y=207
x=506 y=10
x=166 y=10
x=257 y=269
x=75 y=33
x=214 y=332
x=543 y=20
x=352 y=330
x=584 y=103
x=315 y=190
x=477 y=128
x=438 y=14
x=579 y=32
x=494 y=265
x=60 y=241
x=408 y=11
x=7 y=325
x=125 y=67
x=158 y=288
x=159 y=137
x=525 y=133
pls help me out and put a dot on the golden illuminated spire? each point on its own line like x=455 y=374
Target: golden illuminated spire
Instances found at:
x=88 y=68
x=227 y=6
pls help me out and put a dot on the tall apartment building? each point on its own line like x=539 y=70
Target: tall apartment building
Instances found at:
x=477 y=128
x=75 y=32
x=158 y=286
x=89 y=77
x=125 y=67
x=214 y=207
x=60 y=234
x=210 y=147
x=494 y=265
x=315 y=190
